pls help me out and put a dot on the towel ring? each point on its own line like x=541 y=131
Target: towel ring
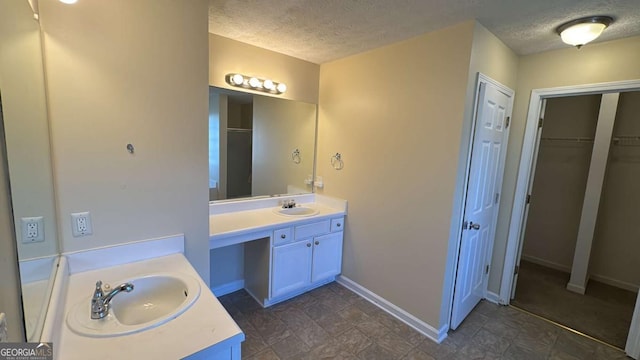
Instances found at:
x=295 y=156
x=336 y=161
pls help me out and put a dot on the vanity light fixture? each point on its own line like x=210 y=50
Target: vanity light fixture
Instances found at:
x=582 y=31
x=69 y=1
x=254 y=83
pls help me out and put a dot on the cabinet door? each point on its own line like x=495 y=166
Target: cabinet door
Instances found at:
x=327 y=256
x=291 y=267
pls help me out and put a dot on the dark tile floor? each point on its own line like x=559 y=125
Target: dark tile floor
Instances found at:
x=603 y=312
x=332 y=322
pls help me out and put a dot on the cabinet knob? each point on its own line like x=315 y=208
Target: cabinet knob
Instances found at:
x=317 y=242
x=283 y=236
x=338 y=224
x=308 y=244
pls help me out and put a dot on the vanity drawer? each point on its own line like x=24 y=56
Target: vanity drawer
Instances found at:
x=311 y=230
x=337 y=224
x=282 y=236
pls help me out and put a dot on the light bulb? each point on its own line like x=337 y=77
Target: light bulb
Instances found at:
x=281 y=87
x=269 y=85
x=254 y=82
x=237 y=79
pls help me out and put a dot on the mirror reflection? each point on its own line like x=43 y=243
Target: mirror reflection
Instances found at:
x=259 y=145
x=27 y=166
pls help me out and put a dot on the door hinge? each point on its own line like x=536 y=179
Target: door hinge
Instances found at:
x=497 y=197
x=528 y=198
x=508 y=121
x=540 y=121
x=486 y=269
x=516 y=270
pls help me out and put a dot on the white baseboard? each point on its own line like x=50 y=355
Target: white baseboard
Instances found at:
x=578 y=289
x=228 y=288
x=600 y=278
x=494 y=298
x=613 y=282
x=422 y=327
x=546 y=263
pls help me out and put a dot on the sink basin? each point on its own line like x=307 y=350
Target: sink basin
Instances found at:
x=154 y=300
x=296 y=211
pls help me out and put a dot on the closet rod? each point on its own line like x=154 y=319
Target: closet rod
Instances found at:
x=567 y=139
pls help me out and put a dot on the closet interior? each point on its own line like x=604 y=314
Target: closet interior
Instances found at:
x=579 y=262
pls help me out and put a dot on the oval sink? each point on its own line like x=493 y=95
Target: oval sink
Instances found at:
x=296 y=211
x=154 y=300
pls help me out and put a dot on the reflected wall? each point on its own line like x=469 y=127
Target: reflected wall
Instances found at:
x=22 y=87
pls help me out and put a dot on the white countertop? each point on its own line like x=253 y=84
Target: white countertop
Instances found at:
x=203 y=325
x=242 y=222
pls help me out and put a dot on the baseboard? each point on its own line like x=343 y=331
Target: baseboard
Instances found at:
x=494 y=298
x=578 y=289
x=613 y=282
x=600 y=278
x=437 y=335
x=546 y=263
x=228 y=288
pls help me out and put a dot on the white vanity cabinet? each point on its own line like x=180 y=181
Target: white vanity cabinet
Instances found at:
x=313 y=256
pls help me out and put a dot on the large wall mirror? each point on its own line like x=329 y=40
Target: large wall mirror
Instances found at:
x=27 y=167
x=259 y=145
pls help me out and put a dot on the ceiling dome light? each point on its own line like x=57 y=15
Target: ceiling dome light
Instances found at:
x=237 y=79
x=582 y=31
x=281 y=87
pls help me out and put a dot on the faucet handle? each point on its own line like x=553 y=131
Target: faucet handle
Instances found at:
x=98 y=293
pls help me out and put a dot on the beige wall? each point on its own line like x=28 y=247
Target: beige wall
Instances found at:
x=25 y=117
x=135 y=72
x=395 y=114
x=230 y=56
x=279 y=127
x=9 y=277
x=600 y=62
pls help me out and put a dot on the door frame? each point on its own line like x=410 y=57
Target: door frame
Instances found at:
x=525 y=171
x=480 y=79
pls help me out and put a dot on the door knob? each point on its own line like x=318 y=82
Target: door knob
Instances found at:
x=473 y=226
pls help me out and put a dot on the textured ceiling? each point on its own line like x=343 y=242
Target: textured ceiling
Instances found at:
x=323 y=30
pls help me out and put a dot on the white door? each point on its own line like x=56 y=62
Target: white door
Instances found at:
x=482 y=200
x=291 y=267
x=327 y=256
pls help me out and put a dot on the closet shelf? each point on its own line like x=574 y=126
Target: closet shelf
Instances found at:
x=567 y=139
x=626 y=140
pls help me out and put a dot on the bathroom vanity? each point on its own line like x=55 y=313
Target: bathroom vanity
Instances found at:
x=169 y=314
x=284 y=254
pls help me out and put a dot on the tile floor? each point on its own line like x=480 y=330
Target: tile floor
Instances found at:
x=332 y=322
x=604 y=312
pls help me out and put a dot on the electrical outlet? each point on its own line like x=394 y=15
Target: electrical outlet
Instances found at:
x=32 y=229
x=81 y=224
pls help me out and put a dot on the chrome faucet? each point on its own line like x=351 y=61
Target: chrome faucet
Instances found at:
x=289 y=204
x=100 y=302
